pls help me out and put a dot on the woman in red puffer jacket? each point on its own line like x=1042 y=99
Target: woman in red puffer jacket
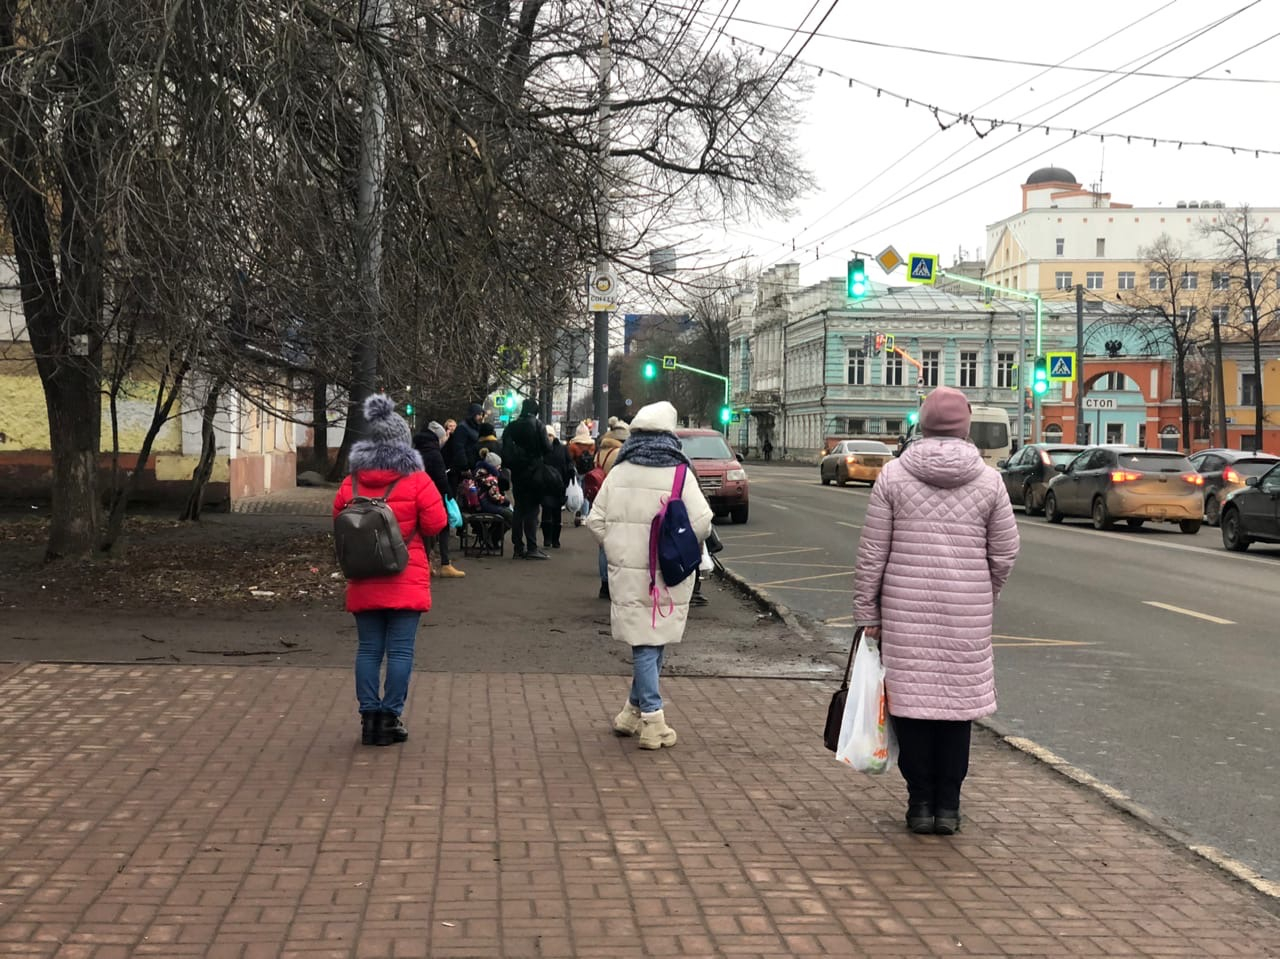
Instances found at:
x=387 y=608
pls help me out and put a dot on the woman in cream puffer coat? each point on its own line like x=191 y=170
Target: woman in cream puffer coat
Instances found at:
x=630 y=497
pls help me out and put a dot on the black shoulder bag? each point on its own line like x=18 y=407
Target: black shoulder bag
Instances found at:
x=835 y=712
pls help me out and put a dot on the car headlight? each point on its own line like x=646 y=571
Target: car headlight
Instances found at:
x=736 y=476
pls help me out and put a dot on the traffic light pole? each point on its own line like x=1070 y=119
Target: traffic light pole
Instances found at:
x=724 y=380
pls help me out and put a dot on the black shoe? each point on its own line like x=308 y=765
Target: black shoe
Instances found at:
x=946 y=822
x=555 y=544
x=390 y=730
x=536 y=553
x=920 y=819
x=517 y=552
x=368 y=728
x=697 y=599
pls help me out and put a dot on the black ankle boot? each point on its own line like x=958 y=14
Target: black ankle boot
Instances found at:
x=946 y=822
x=368 y=728
x=920 y=818
x=390 y=729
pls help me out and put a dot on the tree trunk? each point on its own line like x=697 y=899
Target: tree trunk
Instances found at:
x=319 y=424
x=1181 y=374
x=73 y=406
x=339 y=467
x=1259 y=411
x=120 y=497
x=208 y=453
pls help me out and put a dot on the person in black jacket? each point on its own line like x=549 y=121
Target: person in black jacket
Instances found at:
x=463 y=445
x=427 y=443
x=524 y=444
x=557 y=461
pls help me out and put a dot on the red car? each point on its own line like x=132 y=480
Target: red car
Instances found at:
x=721 y=477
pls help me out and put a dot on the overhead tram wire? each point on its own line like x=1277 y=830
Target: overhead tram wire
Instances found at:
x=892 y=165
x=1029 y=127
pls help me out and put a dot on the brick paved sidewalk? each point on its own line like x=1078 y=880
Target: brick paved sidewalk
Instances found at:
x=230 y=813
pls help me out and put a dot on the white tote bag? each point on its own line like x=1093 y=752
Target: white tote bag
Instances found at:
x=867 y=742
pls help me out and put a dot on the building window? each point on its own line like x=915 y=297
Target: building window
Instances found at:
x=1221 y=281
x=856 y=426
x=1249 y=441
x=1187 y=315
x=930 y=362
x=893 y=370
x=969 y=369
x=1190 y=281
x=1004 y=371
x=1060 y=245
x=1219 y=315
x=1248 y=389
x=1125 y=280
x=1053 y=433
x=1062 y=280
x=1158 y=281
x=1101 y=247
x=857 y=370
x=1170 y=438
x=893 y=427
x=1255 y=280
x=1246 y=314
x=1093 y=281
x=1113 y=382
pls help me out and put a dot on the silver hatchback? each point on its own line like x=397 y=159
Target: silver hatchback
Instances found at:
x=1108 y=483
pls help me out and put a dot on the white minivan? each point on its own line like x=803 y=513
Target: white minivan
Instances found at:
x=988 y=430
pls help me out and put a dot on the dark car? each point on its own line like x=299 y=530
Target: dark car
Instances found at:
x=1026 y=473
x=1225 y=471
x=1252 y=513
x=1107 y=483
x=721 y=477
x=851 y=460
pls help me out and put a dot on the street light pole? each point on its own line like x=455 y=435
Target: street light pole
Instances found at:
x=600 y=366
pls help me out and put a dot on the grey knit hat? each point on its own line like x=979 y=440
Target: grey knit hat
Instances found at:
x=384 y=424
x=438 y=430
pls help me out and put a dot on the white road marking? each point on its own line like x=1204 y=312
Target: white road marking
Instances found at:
x=804 y=579
x=1189 y=612
x=850 y=525
x=780 y=506
x=785 y=551
x=1145 y=541
x=734 y=537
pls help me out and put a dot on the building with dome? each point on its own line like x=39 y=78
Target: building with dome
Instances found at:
x=1068 y=235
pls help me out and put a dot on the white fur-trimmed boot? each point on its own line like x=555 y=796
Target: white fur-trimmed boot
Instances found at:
x=654 y=731
x=627 y=722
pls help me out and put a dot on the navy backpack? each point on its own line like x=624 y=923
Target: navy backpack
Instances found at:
x=674 y=549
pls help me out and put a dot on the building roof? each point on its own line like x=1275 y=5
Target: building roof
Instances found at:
x=1051 y=174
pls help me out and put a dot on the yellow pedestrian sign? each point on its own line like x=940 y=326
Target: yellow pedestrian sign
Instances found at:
x=1061 y=366
x=922 y=268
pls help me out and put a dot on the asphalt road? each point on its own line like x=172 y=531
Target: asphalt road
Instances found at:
x=1150 y=659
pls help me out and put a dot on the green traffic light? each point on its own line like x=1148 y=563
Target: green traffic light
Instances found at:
x=511 y=402
x=913 y=417
x=408 y=409
x=650 y=370
x=1040 y=377
x=726 y=414
x=856 y=279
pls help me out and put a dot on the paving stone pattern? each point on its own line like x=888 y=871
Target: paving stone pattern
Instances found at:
x=230 y=813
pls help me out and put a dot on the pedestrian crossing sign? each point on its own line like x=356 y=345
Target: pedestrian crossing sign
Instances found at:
x=922 y=268
x=1062 y=366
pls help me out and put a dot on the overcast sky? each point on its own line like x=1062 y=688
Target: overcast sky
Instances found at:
x=875 y=157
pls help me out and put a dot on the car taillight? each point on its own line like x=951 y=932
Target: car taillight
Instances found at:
x=1124 y=476
x=851 y=460
x=1230 y=476
x=1045 y=458
x=1195 y=479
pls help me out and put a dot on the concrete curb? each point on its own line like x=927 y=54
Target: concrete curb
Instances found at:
x=1115 y=797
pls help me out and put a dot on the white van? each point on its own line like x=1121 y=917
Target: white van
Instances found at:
x=988 y=430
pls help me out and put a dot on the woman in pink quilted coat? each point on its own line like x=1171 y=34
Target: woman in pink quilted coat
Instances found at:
x=938 y=544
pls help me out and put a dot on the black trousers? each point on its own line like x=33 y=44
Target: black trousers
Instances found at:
x=933 y=755
x=552 y=507
x=524 y=527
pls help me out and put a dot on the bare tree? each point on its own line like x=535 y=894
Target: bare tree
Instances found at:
x=1246 y=248
x=1170 y=308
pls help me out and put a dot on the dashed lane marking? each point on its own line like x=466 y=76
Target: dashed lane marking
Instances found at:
x=785 y=551
x=841 y=522
x=847 y=571
x=1189 y=612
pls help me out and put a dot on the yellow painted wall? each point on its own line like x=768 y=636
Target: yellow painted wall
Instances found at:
x=179 y=468
x=25 y=421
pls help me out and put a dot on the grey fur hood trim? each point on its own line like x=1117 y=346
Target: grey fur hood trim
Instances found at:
x=368 y=455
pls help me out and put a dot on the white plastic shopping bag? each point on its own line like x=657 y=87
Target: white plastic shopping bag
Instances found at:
x=706 y=565
x=573 y=496
x=867 y=742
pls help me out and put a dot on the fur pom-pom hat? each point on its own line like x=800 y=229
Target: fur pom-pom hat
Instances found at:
x=384 y=424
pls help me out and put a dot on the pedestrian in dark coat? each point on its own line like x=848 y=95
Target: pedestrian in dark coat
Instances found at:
x=463 y=446
x=387 y=608
x=427 y=443
x=557 y=462
x=524 y=444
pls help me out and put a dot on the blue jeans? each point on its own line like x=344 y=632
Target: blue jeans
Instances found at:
x=603 y=563
x=646 y=664
x=385 y=633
